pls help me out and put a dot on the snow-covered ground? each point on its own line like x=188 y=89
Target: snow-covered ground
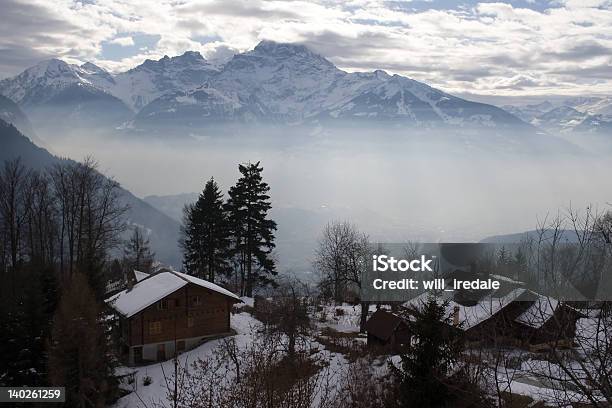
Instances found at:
x=245 y=325
x=343 y=318
x=155 y=393
x=524 y=380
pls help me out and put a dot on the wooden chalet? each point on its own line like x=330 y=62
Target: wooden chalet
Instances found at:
x=387 y=329
x=512 y=316
x=169 y=312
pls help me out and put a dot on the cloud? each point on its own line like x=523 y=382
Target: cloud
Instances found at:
x=488 y=48
x=219 y=52
x=122 y=41
x=29 y=33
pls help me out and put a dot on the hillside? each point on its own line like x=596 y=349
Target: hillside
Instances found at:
x=163 y=230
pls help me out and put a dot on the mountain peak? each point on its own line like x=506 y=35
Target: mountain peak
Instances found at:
x=283 y=50
x=190 y=55
x=53 y=64
x=93 y=68
x=51 y=68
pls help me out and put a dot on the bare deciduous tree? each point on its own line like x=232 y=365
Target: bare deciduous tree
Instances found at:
x=13 y=182
x=91 y=215
x=262 y=379
x=341 y=259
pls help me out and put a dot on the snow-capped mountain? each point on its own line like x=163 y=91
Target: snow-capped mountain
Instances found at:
x=595 y=105
x=560 y=119
x=528 y=113
x=44 y=81
x=273 y=83
x=150 y=80
x=575 y=115
x=286 y=83
x=399 y=99
x=57 y=94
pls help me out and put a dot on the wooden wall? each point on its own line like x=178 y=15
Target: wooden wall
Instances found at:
x=211 y=316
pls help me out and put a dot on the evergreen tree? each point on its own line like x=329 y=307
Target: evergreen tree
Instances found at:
x=206 y=235
x=79 y=352
x=24 y=328
x=252 y=231
x=435 y=347
x=137 y=252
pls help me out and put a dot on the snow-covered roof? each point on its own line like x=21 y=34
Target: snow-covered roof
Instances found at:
x=506 y=279
x=542 y=309
x=140 y=275
x=470 y=316
x=486 y=308
x=155 y=287
x=208 y=285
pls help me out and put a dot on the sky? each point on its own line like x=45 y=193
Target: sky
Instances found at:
x=510 y=49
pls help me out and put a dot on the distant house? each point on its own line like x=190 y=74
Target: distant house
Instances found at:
x=387 y=329
x=168 y=312
x=547 y=321
x=513 y=316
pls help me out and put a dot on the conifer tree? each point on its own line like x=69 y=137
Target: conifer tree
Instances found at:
x=434 y=350
x=206 y=235
x=79 y=350
x=252 y=231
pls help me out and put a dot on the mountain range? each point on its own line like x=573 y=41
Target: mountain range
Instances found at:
x=590 y=115
x=275 y=83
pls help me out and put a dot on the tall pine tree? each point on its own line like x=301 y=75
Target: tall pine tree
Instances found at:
x=252 y=231
x=206 y=235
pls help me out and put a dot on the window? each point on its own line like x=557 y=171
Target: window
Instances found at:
x=190 y=322
x=162 y=304
x=155 y=327
x=196 y=301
